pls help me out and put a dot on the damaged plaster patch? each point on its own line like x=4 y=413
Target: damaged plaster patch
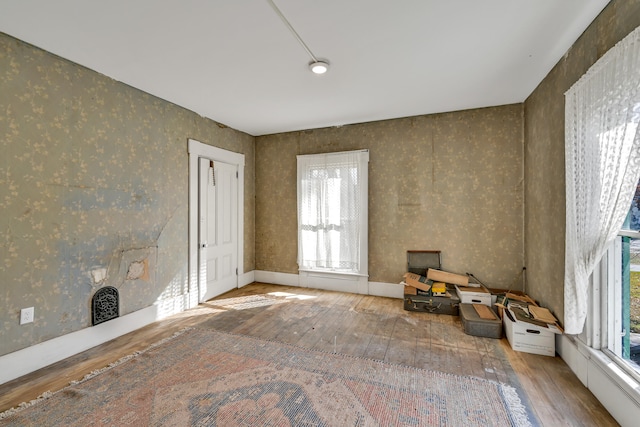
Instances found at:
x=132 y=264
x=133 y=272
x=98 y=275
x=138 y=270
x=138 y=264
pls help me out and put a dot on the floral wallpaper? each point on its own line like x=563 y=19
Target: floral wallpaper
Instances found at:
x=451 y=182
x=93 y=181
x=544 y=153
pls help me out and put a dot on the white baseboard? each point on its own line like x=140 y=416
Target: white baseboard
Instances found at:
x=276 y=278
x=391 y=290
x=333 y=282
x=246 y=278
x=618 y=392
x=27 y=360
x=383 y=289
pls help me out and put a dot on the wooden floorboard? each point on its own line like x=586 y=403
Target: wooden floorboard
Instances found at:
x=357 y=325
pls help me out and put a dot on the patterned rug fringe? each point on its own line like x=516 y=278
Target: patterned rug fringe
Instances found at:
x=518 y=413
x=48 y=394
x=25 y=405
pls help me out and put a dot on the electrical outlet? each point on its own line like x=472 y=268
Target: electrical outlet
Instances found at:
x=26 y=315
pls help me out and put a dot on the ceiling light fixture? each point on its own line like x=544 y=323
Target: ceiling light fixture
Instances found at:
x=317 y=66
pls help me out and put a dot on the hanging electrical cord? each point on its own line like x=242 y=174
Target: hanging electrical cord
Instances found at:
x=318 y=66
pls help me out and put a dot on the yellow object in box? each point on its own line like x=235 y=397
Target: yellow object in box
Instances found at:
x=438 y=288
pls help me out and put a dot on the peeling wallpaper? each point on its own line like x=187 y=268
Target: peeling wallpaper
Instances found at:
x=451 y=182
x=544 y=153
x=93 y=177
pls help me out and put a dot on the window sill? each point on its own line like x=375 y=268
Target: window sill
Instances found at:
x=611 y=369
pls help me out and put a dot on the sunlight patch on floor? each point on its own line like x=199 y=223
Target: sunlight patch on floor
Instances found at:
x=198 y=311
x=291 y=296
x=246 y=302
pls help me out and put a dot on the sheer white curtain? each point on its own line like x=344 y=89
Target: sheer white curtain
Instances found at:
x=332 y=208
x=602 y=159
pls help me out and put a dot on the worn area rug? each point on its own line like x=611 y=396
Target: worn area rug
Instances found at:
x=207 y=378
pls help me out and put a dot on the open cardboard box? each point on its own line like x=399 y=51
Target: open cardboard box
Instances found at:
x=474 y=295
x=529 y=328
x=528 y=337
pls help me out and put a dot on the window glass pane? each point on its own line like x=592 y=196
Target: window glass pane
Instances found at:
x=630 y=301
x=633 y=223
x=633 y=218
x=624 y=308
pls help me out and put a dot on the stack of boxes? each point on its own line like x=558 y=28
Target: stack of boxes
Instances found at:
x=420 y=294
x=427 y=288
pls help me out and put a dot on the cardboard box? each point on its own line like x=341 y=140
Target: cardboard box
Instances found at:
x=503 y=299
x=519 y=296
x=417 y=281
x=470 y=295
x=530 y=338
x=410 y=290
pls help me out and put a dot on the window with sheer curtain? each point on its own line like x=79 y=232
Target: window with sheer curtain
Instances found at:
x=332 y=212
x=602 y=156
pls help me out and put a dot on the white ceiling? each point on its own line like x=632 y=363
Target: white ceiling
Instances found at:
x=235 y=62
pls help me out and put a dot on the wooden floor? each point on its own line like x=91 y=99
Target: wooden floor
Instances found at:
x=357 y=325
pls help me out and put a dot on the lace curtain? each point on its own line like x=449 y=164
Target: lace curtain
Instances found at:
x=602 y=160
x=330 y=207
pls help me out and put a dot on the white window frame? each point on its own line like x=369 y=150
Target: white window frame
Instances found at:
x=363 y=270
x=603 y=327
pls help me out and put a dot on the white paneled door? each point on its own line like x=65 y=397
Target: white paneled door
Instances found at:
x=218 y=231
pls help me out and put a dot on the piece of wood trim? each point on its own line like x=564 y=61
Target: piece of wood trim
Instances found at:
x=484 y=312
x=444 y=276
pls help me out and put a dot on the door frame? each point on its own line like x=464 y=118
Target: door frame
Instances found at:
x=196 y=151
